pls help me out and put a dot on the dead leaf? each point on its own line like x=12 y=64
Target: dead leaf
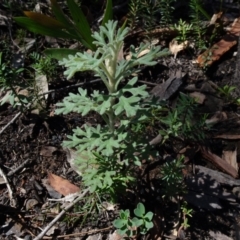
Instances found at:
x=219 y=235
x=108 y=206
x=217 y=117
x=42 y=84
x=51 y=208
x=215 y=17
x=145 y=51
x=114 y=236
x=217 y=50
x=62 y=185
x=51 y=230
x=95 y=237
x=29 y=42
x=168 y=88
x=3 y=18
x=47 y=151
x=231 y=157
x=15 y=228
x=30 y=203
x=219 y=162
x=2 y=180
x=175 y=48
x=199 y=97
x=21 y=92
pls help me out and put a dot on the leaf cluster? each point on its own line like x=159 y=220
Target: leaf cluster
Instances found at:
x=172 y=177
x=113 y=143
x=43 y=65
x=142 y=221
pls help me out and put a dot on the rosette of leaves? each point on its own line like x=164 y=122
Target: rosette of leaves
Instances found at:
x=116 y=147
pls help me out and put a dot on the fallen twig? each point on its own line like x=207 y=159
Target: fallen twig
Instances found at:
x=10 y=192
x=81 y=195
x=18 y=168
x=7 y=125
x=80 y=233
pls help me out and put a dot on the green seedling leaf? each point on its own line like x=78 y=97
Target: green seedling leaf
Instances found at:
x=123 y=231
x=149 y=216
x=119 y=223
x=148 y=225
x=137 y=222
x=108 y=14
x=36 y=27
x=124 y=214
x=140 y=210
x=82 y=25
x=60 y=53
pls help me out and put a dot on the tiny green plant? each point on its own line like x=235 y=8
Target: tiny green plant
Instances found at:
x=197 y=14
x=182 y=121
x=141 y=223
x=20 y=35
x=166 y=8
x=183 y=29
x=187 y=213
x=106 y=152
x=43 y=65
x=173 y=125
x=226 y=91
x=172 y=177
x=145 y=13
x=9 y=81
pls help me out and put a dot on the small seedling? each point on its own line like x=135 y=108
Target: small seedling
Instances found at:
x=226 y=92
x=172 y=177
x=43 y=65
x=142 y=221
x=183 y=29
x=187 y=212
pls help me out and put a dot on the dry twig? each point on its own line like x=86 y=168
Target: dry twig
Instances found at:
x=44 y=231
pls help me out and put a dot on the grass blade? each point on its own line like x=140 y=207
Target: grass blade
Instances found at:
x=108 y=14
x=82 y=24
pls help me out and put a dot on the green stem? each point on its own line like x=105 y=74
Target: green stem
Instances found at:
x=111 y=116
